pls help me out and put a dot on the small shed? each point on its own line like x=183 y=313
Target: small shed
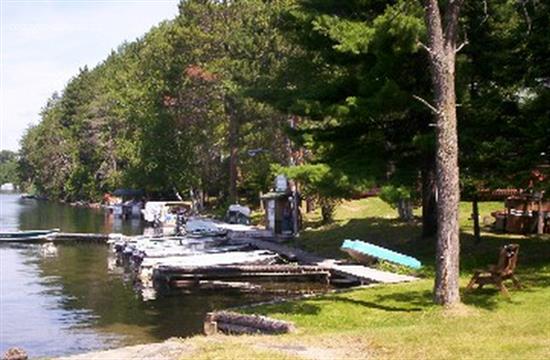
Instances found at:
x=281 y=213
x=282 y=208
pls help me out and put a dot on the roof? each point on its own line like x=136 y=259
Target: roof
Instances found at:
x=275 y=195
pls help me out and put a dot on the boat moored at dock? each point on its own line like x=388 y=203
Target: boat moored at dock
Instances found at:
x=27 y=235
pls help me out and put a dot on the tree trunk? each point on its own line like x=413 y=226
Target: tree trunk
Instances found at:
x=310 y=204
x=233 y=148
x=475 y=217
x=327 y=211
x=429 y=201
x=200 y=199
x=540 y=221
x=404 y=209
x=442 y=34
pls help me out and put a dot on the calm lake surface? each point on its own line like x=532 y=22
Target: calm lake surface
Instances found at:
x=69 y=298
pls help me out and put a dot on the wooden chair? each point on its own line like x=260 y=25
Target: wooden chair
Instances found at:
x=497 y=274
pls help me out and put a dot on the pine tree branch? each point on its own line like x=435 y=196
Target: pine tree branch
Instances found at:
x=425 y=102
x=466 y=42
x=425 y=47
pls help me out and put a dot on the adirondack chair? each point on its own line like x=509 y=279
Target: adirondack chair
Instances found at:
x=497 y=274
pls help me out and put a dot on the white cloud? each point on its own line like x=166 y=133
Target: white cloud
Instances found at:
x=44 y=43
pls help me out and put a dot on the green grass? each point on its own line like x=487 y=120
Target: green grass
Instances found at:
x=375 y=221
x=400 y=321
x=369 y=219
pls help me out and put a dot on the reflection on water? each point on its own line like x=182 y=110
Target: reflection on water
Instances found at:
x=28 y=214
x=69 y=298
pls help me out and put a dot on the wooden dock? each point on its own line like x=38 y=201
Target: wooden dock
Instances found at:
x=80 y=237
x=358 y=273
x=169 y=275
x=366 y=275
x=292 y=254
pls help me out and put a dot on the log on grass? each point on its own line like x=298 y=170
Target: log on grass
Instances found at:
x=232 y=322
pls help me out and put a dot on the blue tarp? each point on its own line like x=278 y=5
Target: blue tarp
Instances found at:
x=381 y=253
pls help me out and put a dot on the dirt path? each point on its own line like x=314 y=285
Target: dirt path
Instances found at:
x=232 y=347
x=172 y=349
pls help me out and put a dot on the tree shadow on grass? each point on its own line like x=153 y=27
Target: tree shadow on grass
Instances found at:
x=421 y=299
x=391 y=233
x=370 y=304
x=489 y=298
x=406 y=237
x=486 y=298
x=291 y=307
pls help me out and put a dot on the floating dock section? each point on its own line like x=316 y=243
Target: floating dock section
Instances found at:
x=82 y=237
x=356 y=273
x=190 y=276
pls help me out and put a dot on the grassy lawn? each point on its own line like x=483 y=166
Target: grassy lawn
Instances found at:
x=399 y=321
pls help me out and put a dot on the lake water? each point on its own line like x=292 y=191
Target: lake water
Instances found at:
x=68 y=298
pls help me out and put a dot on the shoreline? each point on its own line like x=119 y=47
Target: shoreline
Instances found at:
x=170 y=349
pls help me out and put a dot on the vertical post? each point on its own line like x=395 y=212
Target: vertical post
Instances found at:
x=295 y=212
x=475 y=217
x=540 y=221
x=261 y=201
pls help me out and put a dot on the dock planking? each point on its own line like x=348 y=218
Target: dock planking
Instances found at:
x=359 y=273
x=168 y=274
x=81 y=237
x=367 y=275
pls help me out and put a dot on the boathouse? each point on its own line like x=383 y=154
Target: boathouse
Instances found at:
x=282 y=209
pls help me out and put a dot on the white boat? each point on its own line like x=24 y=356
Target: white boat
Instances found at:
x=164 y=212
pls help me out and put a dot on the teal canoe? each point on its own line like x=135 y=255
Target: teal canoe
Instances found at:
x=362 y=251
x=28 y=235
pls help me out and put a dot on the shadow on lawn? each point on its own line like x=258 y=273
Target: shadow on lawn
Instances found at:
x=419 y=298
x=533 y=268
x=390 y=233
x=370 y=304
x=406 y=238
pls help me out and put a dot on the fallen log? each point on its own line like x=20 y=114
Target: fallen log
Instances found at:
x=235 y=323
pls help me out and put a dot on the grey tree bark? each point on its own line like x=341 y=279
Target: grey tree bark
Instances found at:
x=442 y=29
x=475 y=217
x=230 y=109
x=429 y=200
x=540 y=218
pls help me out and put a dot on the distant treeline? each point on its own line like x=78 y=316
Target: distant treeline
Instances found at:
x=8 y=167
x=166 y=112
x=212 y=101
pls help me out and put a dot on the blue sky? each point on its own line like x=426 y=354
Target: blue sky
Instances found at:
x=44 y=43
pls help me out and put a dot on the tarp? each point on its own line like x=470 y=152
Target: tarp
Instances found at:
x=245 y=210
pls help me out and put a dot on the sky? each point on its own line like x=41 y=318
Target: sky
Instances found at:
x=43 y=43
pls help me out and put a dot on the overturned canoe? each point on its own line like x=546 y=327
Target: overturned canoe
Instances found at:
x=362 y=251
x=28 y=235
